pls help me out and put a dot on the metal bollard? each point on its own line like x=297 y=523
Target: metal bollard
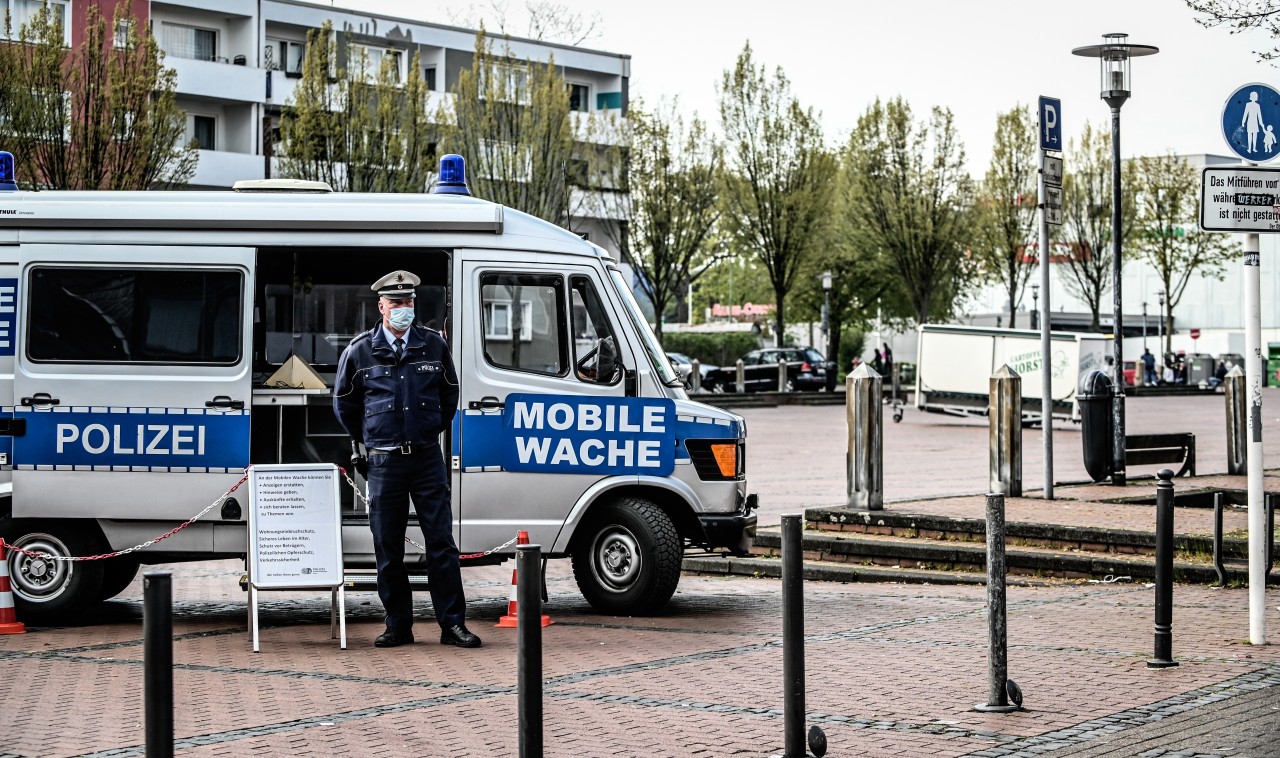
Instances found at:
x=529 y=648
x=157 y=662
x=1219 y=500
x=1237 y=402
x=695 y=376
x=1164 y=572
x=1004 y=412
x=997 y=626
x=793 y=710
x=740 y=380
x=782 y=375
x=864 y=414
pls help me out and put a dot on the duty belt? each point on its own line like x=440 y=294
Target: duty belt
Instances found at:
x=402 y=450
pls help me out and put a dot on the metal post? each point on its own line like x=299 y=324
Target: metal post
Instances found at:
x=1254 y=364
x=1164 y=572
x=1117 y=406
x=793 y=710
x=695 y=376
x=1046 y=354
x=1004 y=412
x=864 y=414
x=1219 y=501
x=157 y=662
x=740 y=379
x=782 y=375
x=529 y=648
x=997 y=628
x=1237 y=421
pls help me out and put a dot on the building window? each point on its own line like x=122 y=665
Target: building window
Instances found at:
x=579 y=97
x=367 y=61
x=508 y=83
x=287 y=56
x=429 y=76
x=190 y=42
x=123 y=27
x=203 y=131
x=23 y=12
x=505 y=162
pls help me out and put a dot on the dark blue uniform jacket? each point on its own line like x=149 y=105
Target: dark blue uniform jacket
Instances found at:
x=385 y=403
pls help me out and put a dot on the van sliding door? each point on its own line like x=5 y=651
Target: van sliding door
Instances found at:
x=133 y=379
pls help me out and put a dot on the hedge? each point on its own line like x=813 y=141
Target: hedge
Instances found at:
x=723 y=349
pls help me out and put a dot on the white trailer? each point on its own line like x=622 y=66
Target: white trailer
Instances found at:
x=955 y=364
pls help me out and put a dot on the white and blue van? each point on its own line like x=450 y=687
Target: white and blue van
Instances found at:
x=142 y=337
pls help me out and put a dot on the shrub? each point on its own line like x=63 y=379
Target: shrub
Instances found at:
x=721 y=349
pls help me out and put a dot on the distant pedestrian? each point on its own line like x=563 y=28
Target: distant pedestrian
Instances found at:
x=888 y=360
x=1149 y=369
x=1219 y=375
x=877 y=363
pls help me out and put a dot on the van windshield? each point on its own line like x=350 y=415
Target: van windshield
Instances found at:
x=666 y=373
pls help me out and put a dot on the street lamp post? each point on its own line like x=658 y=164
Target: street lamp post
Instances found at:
x=1035 y=306
x=1160 y=330
x=1113 y=55
x=1144 y=325
x=826 y=313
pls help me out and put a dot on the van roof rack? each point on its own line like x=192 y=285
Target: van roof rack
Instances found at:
x=281 y=185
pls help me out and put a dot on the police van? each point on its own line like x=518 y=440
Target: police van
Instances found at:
x=150 y=343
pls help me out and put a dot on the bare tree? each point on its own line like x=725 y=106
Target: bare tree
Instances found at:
x=538 y=19
x=1241 y=16
x=777 y=182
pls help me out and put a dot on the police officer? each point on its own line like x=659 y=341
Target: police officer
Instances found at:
x=396 y=392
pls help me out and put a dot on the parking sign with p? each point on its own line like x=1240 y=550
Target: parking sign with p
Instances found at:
x=1050 y=123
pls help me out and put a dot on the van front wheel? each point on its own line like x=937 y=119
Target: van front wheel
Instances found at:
x=628 y=560
x=45 y=589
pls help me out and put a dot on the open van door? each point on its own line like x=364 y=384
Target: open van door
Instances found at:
x=133 y=379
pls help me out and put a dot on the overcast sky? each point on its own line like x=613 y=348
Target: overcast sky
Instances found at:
x=976 y=57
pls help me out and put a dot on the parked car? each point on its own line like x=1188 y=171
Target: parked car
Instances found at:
x=807 y=369
x=682 y=364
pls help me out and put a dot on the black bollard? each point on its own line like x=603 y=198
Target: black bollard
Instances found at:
x=997 y=628
x=1164 y=572
x=793 y=636
x=157 y=662
x=529 y=648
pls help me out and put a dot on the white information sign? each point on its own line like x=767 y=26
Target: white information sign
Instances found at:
x=295 y=533
x=1240 y=199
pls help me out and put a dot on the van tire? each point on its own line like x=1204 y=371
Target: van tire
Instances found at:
x=117 y=574
x=49 y=591
x=627 y=561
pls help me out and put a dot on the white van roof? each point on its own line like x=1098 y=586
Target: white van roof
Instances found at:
x=270 y=214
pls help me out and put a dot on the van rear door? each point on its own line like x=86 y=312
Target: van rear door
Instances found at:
x=133 y=378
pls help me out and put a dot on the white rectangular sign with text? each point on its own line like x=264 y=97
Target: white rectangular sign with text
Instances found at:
x=295 y=528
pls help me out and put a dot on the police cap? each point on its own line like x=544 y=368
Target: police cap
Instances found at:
x=397 y=285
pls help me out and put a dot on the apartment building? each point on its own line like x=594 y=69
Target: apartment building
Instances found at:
x=238 y=62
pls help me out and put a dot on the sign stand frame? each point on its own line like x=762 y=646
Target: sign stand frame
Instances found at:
x=337 y=588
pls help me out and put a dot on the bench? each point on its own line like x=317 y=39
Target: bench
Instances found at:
x=1147 y=449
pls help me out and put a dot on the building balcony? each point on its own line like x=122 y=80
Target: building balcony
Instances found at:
x=217 y=80
x=219 y=168
x=226 y=8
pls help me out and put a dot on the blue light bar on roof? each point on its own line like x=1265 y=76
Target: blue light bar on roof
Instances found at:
x=453 y=176
x=8 y=181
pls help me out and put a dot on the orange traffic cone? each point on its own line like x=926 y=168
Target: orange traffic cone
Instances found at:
x=509 y=621
x=9 y=623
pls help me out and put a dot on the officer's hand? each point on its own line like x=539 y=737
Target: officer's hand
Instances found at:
x=360 y=464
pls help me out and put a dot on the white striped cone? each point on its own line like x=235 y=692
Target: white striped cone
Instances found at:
x=9 y=623
x=509 y=621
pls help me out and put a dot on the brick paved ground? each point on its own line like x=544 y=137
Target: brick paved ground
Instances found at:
x=893 y=670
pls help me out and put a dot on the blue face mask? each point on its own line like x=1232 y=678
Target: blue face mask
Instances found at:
x=401 y=318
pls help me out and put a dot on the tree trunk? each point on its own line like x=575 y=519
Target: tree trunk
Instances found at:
x=780 y=338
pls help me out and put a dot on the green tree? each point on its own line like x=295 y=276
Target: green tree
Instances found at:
x=671 y=170
x=100 y=116
x=1169 y=237
x=1006 y=208
x=1086 y=213
x=1241 y=16
x=777 y=183
x=912 y=199
x=368 y=131
x=511 y=121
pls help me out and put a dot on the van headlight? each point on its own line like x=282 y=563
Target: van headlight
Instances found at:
x=718 y=460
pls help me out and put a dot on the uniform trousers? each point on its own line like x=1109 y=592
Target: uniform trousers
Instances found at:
x=394 y=479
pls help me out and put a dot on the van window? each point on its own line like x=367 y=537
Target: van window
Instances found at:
x=592 y=334
x=524 y=322
x=101 y=315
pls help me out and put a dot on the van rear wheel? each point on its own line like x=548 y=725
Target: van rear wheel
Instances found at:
x=628 y=560
x=52 y=590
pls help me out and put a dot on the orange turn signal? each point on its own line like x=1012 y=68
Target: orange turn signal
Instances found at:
x=726 y=455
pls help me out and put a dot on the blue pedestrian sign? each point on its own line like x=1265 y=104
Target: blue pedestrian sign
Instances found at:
x=1251 y=122
x=1050 y=123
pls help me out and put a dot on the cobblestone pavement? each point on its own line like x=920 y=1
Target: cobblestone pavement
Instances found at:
x=892 y=670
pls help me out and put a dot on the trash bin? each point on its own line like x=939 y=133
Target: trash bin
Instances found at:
x=1094 y=397
x=1273 y=364
x=1200 y=367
